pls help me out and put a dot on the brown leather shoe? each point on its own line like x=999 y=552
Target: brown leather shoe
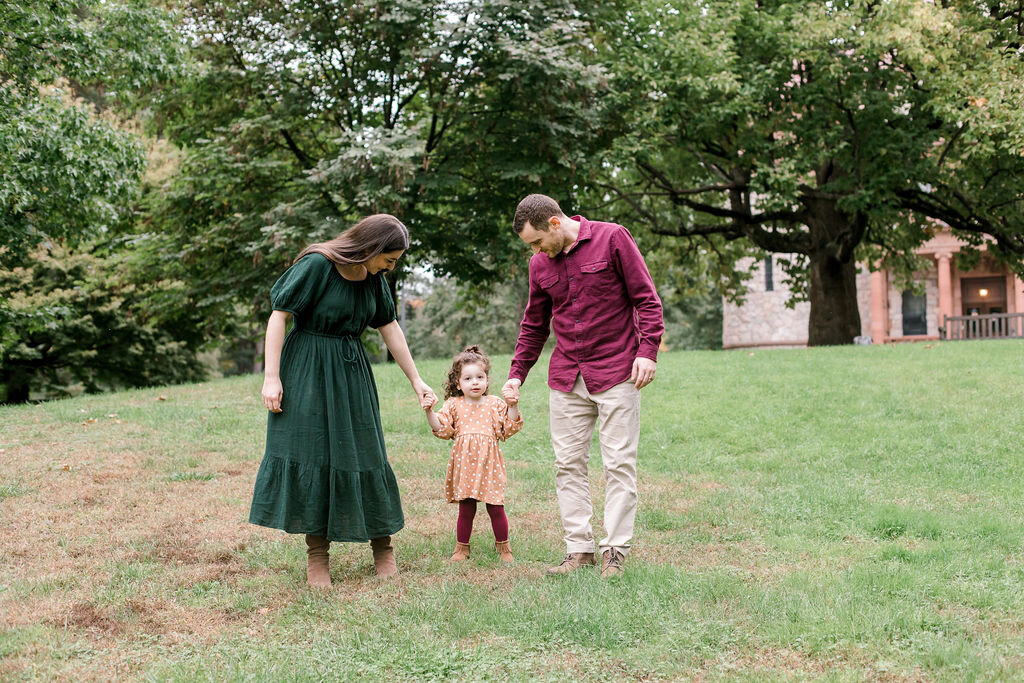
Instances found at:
x=318 y=568
x=383 y=557
x=504 y=552
x=571 y=563
x=611 y=563
x=461 y=553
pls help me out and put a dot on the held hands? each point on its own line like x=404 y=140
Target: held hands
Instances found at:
x=424 y=393
x=272 y=393
x=510 y=392
x=428 y=402
x=643 y=372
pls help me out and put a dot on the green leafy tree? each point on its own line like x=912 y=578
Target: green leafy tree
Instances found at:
x=67 y=172
x=832 y=131
x=447 y=317
x=298 y=118
x=69 y=72
x=72 y=320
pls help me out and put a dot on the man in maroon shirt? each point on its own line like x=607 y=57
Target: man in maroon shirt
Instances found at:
x=589 y=282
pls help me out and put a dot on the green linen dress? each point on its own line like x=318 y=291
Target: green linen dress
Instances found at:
x=325 y=470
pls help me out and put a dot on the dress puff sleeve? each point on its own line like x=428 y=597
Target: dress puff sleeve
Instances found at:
x=385 y=303
x=504 y=425
x=302 y=285
x=446 y=416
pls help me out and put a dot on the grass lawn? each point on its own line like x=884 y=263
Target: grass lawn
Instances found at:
x=844 y=514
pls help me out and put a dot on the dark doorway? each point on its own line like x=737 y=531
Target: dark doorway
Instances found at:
x=915 y=314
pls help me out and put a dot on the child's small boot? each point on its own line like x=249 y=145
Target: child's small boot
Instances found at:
x=461 y=553
x=318 y=562
x=504 y=552
x=384 y=557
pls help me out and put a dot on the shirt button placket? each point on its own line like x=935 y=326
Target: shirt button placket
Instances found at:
x=574 y=291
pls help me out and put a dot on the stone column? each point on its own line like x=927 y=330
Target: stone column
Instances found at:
x=1018 y=294
x=879 y=312
x=945 y=288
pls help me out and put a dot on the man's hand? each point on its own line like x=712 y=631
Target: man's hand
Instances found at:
x=510 y=392
x=643 y=372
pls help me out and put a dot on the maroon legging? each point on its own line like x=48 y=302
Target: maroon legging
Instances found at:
x=467 y=511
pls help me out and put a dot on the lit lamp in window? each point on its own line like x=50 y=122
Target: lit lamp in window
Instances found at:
x=982 y=292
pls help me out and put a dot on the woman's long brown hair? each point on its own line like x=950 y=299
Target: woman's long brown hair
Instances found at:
x=471 y=354
x=373 y=235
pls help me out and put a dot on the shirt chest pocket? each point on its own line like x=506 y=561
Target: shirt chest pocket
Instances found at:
x=555 y=286
x=598 y=276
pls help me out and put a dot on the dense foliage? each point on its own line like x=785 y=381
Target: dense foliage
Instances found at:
x=69 y=72
x=298 y=118
x=72 y=323
x=67 y=172
x=832 y=131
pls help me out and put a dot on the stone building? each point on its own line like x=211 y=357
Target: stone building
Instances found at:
x=986 y=301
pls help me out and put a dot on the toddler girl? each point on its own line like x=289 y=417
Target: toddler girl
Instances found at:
x=476 y=470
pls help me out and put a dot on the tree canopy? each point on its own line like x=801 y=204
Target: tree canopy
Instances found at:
x=298 y=118
x=836 y=132
x=68 y=172
x=70 y=312
x=833 y=131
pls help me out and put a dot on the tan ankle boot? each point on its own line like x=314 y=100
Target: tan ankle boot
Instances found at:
x=461 y=553
x=384 y=557
x=318 y=562
x=504 y=552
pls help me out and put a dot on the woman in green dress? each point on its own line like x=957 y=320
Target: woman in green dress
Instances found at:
x=325 y=471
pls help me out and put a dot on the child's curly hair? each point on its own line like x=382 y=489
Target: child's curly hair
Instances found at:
x=471 y=354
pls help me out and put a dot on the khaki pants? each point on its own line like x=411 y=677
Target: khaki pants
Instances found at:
x=573 y=417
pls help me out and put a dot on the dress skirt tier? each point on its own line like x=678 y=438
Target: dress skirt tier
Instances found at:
x=325 y=470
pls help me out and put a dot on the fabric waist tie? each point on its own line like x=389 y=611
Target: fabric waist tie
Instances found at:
x=303 y=330
x=346 y=355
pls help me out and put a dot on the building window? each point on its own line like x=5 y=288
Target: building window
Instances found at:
x=769 y=283
x=915 y=319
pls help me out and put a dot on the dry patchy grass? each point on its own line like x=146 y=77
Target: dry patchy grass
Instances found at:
x=103 y=546
x=108 y=551
x=126 y=548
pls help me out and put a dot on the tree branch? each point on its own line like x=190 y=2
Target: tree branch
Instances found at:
x=636 y=206
x=303 y=158
x=729 y=231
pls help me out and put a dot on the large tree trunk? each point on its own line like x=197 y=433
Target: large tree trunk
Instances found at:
x=835 y=318
x=16 y=387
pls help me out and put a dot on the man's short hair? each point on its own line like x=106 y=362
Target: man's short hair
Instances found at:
x=535 y=209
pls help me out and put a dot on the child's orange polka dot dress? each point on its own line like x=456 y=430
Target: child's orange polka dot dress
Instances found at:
x=476 y=468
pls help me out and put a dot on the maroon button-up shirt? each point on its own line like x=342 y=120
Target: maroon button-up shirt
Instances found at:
x=602 y=304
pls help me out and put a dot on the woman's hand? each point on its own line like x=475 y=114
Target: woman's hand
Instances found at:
x=272 y=392
x=424 y=394
x=429 y=402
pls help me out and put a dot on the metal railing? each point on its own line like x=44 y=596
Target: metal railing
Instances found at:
x=991 y=326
